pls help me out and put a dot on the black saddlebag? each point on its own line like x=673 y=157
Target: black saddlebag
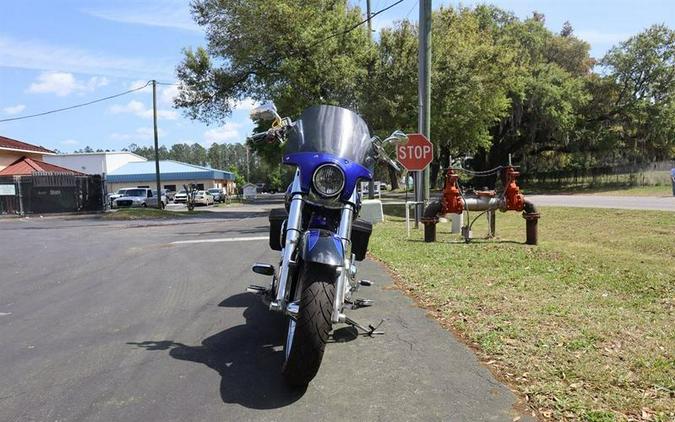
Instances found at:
x=277 y=218
x=361 y=230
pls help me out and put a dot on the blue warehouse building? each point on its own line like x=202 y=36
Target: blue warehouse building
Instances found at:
x=173 y=175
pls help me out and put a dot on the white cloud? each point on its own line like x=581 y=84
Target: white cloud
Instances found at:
x=141 y=134
x=38 y=55
x=224 y=134
x=162 y=13
x=139 y=109
x=167 y=94
x=70 y=142
x=64 y=83
x=14 y=109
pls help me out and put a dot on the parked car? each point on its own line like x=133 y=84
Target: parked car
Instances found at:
x=139 y=197
x=113 y=196
x=218 y=194
x=180 y=197
x=204 y=198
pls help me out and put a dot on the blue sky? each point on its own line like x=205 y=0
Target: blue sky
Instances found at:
x=55 y=53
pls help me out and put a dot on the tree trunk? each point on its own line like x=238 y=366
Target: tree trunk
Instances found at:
x=393 y=177
x=433 y=173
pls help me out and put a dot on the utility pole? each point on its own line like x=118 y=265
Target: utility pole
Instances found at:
x=424 y=102
x=371 y=184
x=154 y=120
x=248 y=171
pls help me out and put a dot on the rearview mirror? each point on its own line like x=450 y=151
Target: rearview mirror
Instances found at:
x=266 y=111
x=396 y=137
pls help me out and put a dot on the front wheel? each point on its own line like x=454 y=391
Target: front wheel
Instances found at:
x=307 y=336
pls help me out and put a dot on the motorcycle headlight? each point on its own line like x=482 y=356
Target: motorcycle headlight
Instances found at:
x=328 y=180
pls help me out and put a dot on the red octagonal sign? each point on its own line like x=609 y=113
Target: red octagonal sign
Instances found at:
x=416 y=154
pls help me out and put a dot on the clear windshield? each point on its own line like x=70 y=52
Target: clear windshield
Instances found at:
x=332 y=130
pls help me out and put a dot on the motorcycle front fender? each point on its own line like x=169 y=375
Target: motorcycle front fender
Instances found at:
x=322 y=247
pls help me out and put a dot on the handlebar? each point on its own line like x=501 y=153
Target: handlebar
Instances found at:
x=271 y=135
x=382 y=155
x=393 y=164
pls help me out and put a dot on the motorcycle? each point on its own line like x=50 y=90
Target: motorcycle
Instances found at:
x=318 y=233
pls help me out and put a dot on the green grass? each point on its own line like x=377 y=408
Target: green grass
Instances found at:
x=583 y=325
x=148 y=213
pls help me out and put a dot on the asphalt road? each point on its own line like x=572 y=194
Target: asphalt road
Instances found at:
x=112 y=321
x=655 y=203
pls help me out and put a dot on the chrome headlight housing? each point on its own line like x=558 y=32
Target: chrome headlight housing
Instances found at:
x=328 y=180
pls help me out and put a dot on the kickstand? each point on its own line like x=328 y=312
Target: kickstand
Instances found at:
x=370 y=331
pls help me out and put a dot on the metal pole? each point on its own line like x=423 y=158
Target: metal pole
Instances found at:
x=424 y=102
x=248 y=172
x=371 y=184
x=370 y=25
x=154 y=119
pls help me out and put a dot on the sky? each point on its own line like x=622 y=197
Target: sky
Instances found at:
x=57 y=53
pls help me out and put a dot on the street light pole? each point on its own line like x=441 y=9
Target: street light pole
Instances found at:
x=371 y=183
x=424 y=102
x=154 y=119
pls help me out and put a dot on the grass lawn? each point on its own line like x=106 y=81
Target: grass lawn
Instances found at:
x=583 y=325
x=143 y=213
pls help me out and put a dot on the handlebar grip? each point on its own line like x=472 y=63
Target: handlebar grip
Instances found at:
x=258 y=136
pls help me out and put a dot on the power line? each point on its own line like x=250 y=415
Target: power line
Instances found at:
x=110 y=97
x=353 y=27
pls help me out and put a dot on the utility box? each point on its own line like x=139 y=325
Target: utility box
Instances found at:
x=250 y=192
x=371 y=211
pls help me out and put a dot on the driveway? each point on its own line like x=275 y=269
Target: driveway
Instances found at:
x=105 y=321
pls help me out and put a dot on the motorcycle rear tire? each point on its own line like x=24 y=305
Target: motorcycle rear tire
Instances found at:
x=312 y=326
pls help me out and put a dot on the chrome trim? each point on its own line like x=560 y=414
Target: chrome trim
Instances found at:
x=293 y=309
x=293 y=227
x=289 y=337
x=342 y=185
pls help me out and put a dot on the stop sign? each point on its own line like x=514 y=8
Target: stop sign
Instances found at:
x=416 y=154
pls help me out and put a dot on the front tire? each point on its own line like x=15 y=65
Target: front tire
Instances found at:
x=309 y=333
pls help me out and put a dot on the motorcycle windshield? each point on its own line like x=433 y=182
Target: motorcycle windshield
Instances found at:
x=331 y=130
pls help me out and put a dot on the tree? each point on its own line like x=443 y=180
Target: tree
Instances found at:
x=278 y=50
x=642 y=107
x=546 y=91
x=389 y=99
x=471 y=77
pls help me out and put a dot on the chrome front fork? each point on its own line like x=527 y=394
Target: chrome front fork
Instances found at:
x=293 y=231
x=342 y=284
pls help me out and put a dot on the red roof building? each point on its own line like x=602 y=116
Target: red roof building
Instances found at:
x=11 y=150
x=14 y=145
x=25 y=166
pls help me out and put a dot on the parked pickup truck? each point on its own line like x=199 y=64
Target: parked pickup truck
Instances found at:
x=139 y=197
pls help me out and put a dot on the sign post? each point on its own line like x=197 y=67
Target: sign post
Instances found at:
x=416 y=155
